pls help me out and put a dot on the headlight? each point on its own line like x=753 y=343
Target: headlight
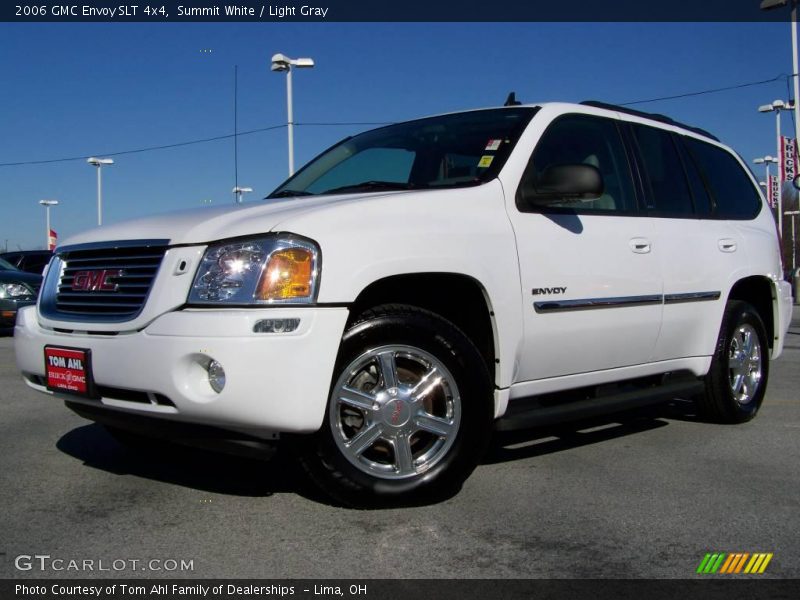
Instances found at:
x=258 y=271
x=15 y=291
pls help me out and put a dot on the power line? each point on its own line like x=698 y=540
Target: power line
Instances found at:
x=711 y=91
x=177 y=144
x=138 y=150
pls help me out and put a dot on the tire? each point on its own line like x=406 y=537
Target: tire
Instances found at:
x=409 y=414
x=737 y=380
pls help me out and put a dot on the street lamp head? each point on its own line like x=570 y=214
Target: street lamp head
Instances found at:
x=242 y=190
x=98 y=162
x=777 y=105
x=281 y=62
x=48 y=202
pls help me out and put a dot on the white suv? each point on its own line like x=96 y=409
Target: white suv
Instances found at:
x=416 y=286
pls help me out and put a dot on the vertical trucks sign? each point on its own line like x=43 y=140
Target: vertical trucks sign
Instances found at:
x=788 y=159
x=773 y=190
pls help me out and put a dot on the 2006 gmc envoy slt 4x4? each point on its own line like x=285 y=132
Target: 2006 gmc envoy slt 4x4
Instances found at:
x=416 y=286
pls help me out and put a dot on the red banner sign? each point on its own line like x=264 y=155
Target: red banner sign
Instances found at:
x=773 y=190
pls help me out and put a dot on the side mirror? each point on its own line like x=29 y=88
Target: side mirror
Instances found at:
x=560 y=183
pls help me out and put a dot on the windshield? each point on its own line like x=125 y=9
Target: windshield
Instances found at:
x=438 y=152
x=7 y=266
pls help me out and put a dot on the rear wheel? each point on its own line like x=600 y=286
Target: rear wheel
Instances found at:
x=737 y=380
x=409 y=414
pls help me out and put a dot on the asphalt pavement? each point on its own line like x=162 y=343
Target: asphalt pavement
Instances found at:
x=642 y=495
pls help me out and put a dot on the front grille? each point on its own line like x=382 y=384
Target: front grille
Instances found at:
x=106 y=283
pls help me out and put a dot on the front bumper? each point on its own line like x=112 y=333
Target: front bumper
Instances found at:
x=275 y=382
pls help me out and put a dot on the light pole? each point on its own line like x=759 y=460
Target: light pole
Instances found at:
x=100 y=163
x=47 y=204
x=766 y=160
x=281 y=62
x=240 y=191
x=777 y=106
x=768 y=5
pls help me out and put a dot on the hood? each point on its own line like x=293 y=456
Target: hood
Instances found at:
x=203 y=225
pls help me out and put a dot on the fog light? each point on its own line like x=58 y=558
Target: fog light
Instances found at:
x=216 y=376
x=276 y=325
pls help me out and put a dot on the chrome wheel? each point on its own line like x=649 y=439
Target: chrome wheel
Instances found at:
x=395 y=412
x=744 y=363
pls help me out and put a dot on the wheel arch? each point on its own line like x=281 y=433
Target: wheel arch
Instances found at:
x=457 y=297
x=760 y=292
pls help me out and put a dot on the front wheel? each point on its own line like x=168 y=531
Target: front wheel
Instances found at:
x=737 y=380
x=409 y=414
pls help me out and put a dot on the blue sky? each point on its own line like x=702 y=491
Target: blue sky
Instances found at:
x=78 y=89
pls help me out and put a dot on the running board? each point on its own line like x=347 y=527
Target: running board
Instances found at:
x=535 y=416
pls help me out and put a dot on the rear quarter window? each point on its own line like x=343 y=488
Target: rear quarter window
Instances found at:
x=732 y=192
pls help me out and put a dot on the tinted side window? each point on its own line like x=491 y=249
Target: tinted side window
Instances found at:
x=582 y=139
x=702 y=201
x=668 y=193
x=734 y=196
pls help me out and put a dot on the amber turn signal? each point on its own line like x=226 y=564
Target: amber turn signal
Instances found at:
x=289 y=274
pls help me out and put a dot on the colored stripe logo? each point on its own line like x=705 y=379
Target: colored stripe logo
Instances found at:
x=734 y=563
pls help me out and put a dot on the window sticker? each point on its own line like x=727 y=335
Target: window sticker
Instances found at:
x=493 y=145
x=485 y=161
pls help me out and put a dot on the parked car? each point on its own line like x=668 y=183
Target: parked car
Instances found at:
x=418 y=285
x=31 y=261
x=17 y=289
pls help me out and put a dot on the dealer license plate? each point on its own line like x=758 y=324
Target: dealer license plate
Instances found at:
x=68 y=370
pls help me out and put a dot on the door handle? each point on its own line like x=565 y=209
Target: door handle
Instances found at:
x=727 y=245
x=640 y=245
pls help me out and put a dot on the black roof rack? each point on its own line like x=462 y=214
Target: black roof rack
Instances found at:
x=646 y=115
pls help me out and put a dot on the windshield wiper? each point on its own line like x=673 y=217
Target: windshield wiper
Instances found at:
x=371 y=185
x=288 y=193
